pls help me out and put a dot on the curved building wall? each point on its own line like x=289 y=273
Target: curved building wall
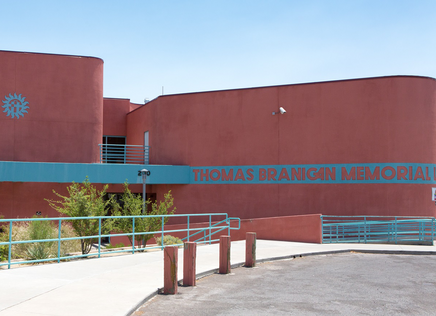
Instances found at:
x=376 y=120
x=64 y=118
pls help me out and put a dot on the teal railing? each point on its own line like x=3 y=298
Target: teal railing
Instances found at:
x=195 y=229
x=135 y=154
x=378 y=229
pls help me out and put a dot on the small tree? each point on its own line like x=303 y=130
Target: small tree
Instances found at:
x=131 y=205
x=84 y=200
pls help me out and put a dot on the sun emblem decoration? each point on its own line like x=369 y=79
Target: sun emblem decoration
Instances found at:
x=15 y=105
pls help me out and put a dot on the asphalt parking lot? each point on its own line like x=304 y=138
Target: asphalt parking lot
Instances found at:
x=338 y=284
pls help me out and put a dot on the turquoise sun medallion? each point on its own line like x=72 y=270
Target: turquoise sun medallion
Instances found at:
x=15 y=105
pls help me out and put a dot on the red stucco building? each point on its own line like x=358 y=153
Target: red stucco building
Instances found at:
x=350 y=147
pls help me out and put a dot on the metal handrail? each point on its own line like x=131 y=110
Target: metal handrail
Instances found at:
x=113 y=153
x=378 y=229
x=217 y=230
x=211 y=226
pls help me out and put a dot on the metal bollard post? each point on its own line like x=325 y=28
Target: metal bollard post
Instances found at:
x=224 y=255
x=189 y=259
x=250 y=250
x=170 y=269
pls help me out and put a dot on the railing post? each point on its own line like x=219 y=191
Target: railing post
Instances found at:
x=228 y=223
x=162 y=235
x=188 y=229
x=250 y=250
x=170 y=269
x=358 y=233
x=189 y=259
x=133 y=235
x=432 y=230
x=10 y=245
x=99 y=236
x=59 y=240
x=224 y=267
x=364 y=228
x=210 y=229
x=419 y=231
x=322 y=229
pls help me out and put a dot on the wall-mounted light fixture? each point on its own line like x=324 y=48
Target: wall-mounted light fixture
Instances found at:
x=281 y=111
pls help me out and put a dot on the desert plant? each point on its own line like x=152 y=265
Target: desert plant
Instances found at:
x=132 y=205
x=40 y=230
x=38 y=251
x=84 y=200
x=169 y=240
x=19 y=232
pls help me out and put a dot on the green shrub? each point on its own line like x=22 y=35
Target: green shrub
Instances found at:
x=19 y=232
x=169 y=240
x=119 y=245
x=4 y=250
x=69 y=246
x=84 y=200
x=40 y=230
x=132 y=205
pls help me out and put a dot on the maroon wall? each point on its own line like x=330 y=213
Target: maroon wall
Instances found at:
x=115 y=116
x=299 y=228
x=376 y=120
x=64 y=122
x=24 y=199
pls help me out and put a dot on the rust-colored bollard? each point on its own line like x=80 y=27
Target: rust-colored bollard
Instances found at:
x=224 y=255
x=170 y=269
x=189 y=259
x=250 y=250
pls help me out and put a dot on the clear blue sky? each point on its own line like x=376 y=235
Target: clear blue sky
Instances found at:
x=189 y=46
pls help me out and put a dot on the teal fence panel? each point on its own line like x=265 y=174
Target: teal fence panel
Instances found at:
x=378 y=229
x=193 y=229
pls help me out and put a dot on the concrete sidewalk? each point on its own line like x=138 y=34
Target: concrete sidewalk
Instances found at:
x=118 y=285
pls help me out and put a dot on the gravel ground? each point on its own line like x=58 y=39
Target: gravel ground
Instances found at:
x=340 y=284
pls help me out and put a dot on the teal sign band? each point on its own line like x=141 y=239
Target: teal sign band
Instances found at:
x=167 y=174
x=326 y=173
x=97 y=173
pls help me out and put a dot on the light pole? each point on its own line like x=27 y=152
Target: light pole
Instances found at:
x=144 y=173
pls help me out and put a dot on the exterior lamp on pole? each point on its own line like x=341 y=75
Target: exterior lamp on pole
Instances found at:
x=144 y=173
